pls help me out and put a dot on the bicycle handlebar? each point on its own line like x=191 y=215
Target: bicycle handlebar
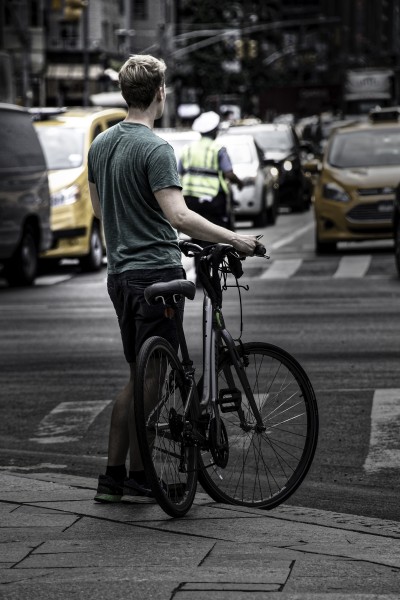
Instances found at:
x=189 y=249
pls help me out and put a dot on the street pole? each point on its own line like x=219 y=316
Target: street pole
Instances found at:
x=86 y=63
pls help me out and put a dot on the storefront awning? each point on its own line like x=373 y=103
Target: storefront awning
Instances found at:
x=73 y=72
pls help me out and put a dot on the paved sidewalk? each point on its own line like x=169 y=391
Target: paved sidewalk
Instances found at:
x=56 y=543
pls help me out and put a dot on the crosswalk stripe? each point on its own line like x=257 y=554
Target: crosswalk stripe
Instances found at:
x=282 y=269
x=293 y=236
x=52 y=279
x=384 y=451
x=353 y=266
x=68 y=422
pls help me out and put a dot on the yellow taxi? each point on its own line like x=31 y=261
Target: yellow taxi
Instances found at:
x=355 y=191
x=66 y=136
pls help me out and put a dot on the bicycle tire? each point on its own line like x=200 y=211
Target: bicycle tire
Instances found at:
x=265 y=468
x=169 y=461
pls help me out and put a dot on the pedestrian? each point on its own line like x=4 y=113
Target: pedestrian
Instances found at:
x=205 y=167
x=136 y=191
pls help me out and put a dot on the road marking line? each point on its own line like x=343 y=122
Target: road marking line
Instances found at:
x=52 y=279
x=290 y=238
x=282 y=269
x=384 y=450
x=353 y=266
x=68 y=422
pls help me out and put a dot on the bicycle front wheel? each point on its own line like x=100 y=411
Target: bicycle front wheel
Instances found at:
x=170 y=461
x=263 y=466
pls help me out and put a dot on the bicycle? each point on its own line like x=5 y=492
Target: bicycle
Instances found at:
x=247 y=430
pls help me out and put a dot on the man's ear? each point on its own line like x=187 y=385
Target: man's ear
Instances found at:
x=160 y=94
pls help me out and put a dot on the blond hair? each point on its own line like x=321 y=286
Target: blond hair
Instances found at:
x=139 y=79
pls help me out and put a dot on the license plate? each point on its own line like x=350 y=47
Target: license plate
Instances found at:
x=385 y=207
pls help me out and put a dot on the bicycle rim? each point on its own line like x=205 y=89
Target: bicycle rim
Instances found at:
x=264 y=468
x=170 y=463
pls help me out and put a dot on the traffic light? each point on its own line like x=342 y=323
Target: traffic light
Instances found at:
x=239 y=49
x=73 y=9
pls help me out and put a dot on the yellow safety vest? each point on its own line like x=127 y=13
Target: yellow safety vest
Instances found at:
x=202 y=177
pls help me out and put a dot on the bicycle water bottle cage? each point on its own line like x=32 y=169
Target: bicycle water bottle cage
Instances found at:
x=169 y=292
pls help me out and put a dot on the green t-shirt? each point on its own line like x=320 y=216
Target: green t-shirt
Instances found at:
x=128 y=163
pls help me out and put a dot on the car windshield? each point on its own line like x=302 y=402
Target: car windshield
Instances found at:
x=379 y=148
x=63 y=146
x=272 y=140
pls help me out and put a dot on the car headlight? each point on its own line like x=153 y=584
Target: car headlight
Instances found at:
x=287 y=165
x=66 y=196
x=332 y=191
x=274 y=171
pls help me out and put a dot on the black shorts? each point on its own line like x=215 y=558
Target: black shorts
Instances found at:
x=138 y=320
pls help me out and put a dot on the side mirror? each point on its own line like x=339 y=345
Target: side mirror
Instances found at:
x=313 y=166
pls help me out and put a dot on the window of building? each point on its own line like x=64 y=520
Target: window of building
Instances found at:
x=140 y=9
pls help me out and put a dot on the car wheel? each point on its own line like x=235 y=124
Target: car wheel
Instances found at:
x=21 y=269
x=324 y=247
x=397 y=246
x=306 y=200
x=93 y=261
x=261 y=220
x=272 y=211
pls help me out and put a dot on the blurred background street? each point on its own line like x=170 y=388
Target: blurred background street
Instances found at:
x=308 y=93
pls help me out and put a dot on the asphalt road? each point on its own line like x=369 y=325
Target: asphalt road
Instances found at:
x=62 y=364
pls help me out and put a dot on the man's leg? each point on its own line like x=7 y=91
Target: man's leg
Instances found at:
x=111 y=484
x=154 y=377
x=120 y=426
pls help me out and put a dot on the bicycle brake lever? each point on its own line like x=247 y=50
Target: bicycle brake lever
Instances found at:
x=260 y=250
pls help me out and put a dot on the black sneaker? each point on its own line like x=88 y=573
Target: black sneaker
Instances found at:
x=137 y=492
x=108 y=489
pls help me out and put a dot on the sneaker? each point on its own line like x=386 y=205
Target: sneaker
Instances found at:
x=137 y=493
x=108 y=489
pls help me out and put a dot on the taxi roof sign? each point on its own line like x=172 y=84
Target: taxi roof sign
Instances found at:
x=380 y=115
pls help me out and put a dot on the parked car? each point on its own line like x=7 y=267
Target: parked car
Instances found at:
x=355 y=192
x=396 y=228
x=24 y=197
x=66 y=136
x=282 y=150
x=257 y=200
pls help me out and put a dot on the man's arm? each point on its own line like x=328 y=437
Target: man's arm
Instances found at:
x=174 y=207
x=225 y=164
x=94 y=197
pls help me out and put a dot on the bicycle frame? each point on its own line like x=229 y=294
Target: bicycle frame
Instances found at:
x=214 y=333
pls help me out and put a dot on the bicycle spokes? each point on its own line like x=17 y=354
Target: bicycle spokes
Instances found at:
x=266 y=463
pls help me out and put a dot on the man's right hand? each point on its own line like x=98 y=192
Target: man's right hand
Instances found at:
x=245 y=244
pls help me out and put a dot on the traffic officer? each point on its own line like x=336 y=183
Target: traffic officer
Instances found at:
x=205 y=167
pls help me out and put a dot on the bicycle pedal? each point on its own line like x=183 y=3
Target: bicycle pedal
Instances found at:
x=229 y=400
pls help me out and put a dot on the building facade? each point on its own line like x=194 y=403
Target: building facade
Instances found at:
x=268 y=55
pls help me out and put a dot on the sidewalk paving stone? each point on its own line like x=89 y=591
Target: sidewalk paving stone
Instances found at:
x=57 y=543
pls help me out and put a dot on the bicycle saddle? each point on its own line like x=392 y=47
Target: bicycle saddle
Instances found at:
x=166 y=290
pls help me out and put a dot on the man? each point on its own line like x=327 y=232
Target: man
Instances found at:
x=205 y=167
x=135 y=190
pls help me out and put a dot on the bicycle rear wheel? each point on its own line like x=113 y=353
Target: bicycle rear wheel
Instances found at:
x=170 y=462
x=263 y=468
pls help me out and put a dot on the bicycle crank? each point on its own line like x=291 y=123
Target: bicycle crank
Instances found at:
x=219 y=448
